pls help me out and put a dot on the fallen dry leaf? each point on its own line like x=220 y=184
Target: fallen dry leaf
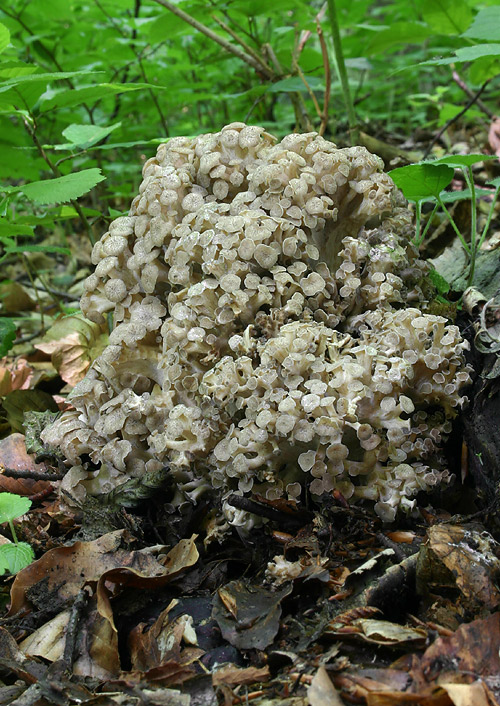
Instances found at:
x=232 y=675
x=322 y=692
x=73 y=343
x=14 y=375
x=462 y=557
x=107 y=559
x=13 y=455
x=467 y=694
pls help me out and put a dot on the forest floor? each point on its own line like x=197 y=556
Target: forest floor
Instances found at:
x=115 y=611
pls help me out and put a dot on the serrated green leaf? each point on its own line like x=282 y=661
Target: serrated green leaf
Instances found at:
x=15 y=557
x=7 y=335
x=420 y=181
x=62 y=189
x=477 y=52
x=486 y=25
x=84 y=136
x=12 y=506
x=4 y=37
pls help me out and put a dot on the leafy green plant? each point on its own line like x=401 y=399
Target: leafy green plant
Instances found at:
x=427 y=181
x=18 y=555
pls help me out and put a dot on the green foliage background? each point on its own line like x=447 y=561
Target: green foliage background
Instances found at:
x=88 y=88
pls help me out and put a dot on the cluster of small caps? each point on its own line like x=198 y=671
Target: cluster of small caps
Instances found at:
x=260 y=337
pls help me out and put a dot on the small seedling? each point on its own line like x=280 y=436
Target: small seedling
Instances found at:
x=426 y=181
x=18 y=555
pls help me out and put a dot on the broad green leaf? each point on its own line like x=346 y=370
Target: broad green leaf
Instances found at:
x=398 y=33
x=85 y=136
x=464 y=160
x=477 y=52
x=90 y=94
x=11 y=69
x=446 y=16
x=12 y=506
x=4 y=37
x=494 y=182
x=486 y=25
x=295 y=83
x=62 y=189
x=15 y=557
x=420 y=181
x=7 y=335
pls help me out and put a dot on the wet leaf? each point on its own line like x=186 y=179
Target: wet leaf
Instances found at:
x=248 y=615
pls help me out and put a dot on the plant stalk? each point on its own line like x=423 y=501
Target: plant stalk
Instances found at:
x=339 y=56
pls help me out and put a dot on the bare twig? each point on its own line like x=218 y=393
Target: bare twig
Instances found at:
x=32 y=475
x=236 y=51
x=455 y=118
x=469 y=92
x=265 y=68
x=77 y=609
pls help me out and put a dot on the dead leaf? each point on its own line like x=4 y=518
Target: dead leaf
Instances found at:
x=460 y=557
x=13 y=455
x=380 y=632
x=15 y=298
x=322 y=692
x=14 y=375
x=473 y=649
x=73 y=343
x=106 y=560
x=467 y=694
x=232 y=675
x=248 y=615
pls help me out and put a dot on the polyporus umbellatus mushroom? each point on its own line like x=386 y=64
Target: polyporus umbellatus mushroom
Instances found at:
x=269 y=331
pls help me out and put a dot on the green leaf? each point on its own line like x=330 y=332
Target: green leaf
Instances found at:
x=14 y=557
x=7 y=335
x=494 y=182
x=420 y=181
x=11 y=69
x=37 y=248
x=12 y=229
x=442 y=285
x=486 y=25
x=42 y=78
x=398 y=33
x=90 y=94
x=477 y=52
x=463 y=160
x=12 y=506
x=62 y=189
x=462 y=195
x=446 y=16
x=4 y=37
x=295 y=83
x=85 y=136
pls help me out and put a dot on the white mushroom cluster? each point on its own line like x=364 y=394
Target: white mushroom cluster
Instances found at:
x=269 y=331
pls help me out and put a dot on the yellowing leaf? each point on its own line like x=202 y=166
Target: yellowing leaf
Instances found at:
x=73 y=343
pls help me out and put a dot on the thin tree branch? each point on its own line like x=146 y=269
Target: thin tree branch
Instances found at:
x=242 y=42
x=236 y=51
x=455 y=118
x=469 y=92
